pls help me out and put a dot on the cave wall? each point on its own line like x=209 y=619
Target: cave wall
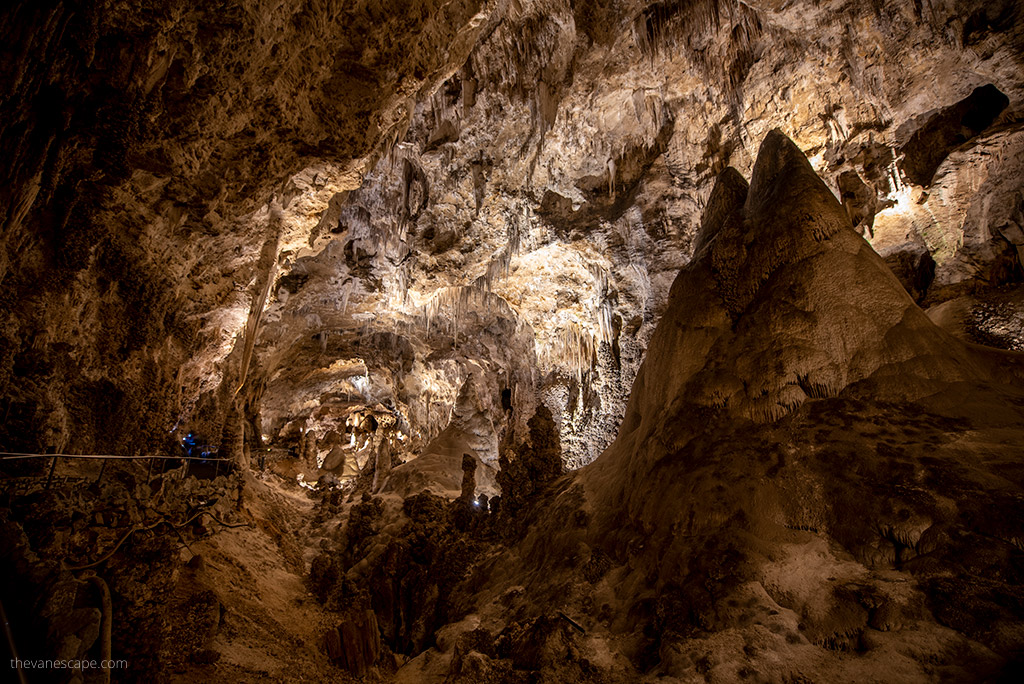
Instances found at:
x=564 y=171
x=140 y=142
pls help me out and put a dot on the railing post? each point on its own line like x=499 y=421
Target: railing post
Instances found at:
x=53 y=465
x=15 y=661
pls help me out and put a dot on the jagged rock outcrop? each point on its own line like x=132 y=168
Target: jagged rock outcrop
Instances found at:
x=402 y=563
x=355 y=644
x=812 y=479
x=947 y=130
x=528 y=469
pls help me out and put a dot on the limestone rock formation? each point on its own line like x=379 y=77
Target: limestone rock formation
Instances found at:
x=510 y=192
x=345 y=243
x=808 y=468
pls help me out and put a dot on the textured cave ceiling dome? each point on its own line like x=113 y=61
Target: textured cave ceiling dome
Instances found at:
x=503 y=137
x=509 y=185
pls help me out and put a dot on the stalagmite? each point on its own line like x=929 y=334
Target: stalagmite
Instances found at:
x=468 y=494
x=382 y=463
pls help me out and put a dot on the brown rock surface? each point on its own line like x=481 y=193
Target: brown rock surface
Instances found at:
x=525 y=176
x=799 y=474
x=347 y=242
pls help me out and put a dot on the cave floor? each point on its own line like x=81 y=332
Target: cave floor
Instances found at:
x=270 y=624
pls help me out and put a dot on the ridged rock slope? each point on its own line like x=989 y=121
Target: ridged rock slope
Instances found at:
x=812 y=480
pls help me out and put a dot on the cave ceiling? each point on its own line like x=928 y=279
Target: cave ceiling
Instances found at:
x=452 y=212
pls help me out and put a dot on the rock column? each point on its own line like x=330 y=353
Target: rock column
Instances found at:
x=468 y=478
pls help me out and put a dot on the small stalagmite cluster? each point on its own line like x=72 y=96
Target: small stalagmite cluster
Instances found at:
x=512 y=340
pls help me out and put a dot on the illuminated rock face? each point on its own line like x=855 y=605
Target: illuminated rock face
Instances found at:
x=504 y=222
x=139 y=145
x=795 y=490
x=457 y=212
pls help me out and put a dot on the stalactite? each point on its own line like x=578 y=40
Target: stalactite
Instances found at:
x=440 y=108
x=653 y=28
x=346 y=293
x=460 y=300
x=402 y=284
x=526 y=46
x=675 y=27
x=603 y=305
x=651 y=114
x=574 y=348
x=499 y=265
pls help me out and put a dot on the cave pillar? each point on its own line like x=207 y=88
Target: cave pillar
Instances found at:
x=309 y=447
x=468 y=478
x=383 y=465
x=232 y=440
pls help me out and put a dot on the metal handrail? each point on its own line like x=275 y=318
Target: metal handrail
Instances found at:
x=15 y=456
x=18 y=456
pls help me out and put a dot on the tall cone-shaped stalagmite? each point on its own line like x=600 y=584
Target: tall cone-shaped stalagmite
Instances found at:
x=802 y=442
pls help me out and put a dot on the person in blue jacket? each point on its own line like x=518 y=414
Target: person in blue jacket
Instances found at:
x=188 y=443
